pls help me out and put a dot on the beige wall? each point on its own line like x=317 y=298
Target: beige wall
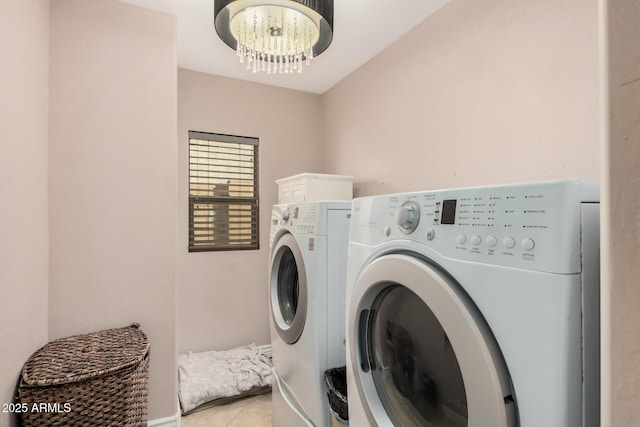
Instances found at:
x=112 y=178
x=482 y=92
x=24 y=238
x=621 y=218
x=222 y=296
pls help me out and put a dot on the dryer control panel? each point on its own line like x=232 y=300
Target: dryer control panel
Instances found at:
x=534 y=226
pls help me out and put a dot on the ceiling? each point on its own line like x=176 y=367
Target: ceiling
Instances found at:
x=362 y=29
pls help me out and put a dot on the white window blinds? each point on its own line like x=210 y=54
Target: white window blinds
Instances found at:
x=223 y=192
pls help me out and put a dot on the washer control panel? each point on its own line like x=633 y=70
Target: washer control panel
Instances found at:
x=534 y=226
x=307 y=218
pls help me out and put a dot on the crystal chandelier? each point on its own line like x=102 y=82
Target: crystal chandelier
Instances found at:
x=275 y=36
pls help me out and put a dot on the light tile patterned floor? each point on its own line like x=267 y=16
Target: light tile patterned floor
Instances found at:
x=254 y=411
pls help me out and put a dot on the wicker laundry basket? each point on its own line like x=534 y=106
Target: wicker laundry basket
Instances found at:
x=95 y=379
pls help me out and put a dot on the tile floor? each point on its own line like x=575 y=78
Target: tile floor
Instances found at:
x=253 y=411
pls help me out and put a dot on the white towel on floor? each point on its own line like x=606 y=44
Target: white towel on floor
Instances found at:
x=210 y=375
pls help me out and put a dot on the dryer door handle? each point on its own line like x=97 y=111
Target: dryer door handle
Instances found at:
x=364 y=340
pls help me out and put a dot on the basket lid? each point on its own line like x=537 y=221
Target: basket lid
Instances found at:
x=81 y=357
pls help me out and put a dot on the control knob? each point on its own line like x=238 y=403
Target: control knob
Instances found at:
x=408 y=216
x=285 y=215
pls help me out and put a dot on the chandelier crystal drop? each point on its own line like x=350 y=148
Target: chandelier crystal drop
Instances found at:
x=274 y=39
x=275 y=36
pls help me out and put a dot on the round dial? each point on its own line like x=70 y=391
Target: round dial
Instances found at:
x=408 y=216
x=285 y=215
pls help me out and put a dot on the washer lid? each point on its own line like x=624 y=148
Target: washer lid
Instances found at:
x=423 y=355
x=288 y=289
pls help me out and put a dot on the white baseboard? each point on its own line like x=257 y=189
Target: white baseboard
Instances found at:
x=173 y=421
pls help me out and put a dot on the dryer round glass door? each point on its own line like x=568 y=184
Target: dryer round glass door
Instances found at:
x=418 y=377
x=288 y=289
x=421 y=353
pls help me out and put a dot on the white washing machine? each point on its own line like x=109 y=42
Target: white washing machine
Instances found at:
x=307 y=299
x=475 y=307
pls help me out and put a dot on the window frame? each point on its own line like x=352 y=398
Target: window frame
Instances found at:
x=253 y=202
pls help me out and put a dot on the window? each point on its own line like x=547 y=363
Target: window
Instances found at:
x=223 y=192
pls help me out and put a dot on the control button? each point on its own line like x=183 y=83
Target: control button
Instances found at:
x=387 y=231
x=462 y=239
x=491 y=241
x=527 y=244
x=430 y=234
x=475 y=240
x=408 y=216
x=508 y=242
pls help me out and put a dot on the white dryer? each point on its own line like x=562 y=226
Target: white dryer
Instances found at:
x=475 y=307
x=307 y=299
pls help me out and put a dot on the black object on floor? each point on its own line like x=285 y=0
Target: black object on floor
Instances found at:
x=336 y=381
